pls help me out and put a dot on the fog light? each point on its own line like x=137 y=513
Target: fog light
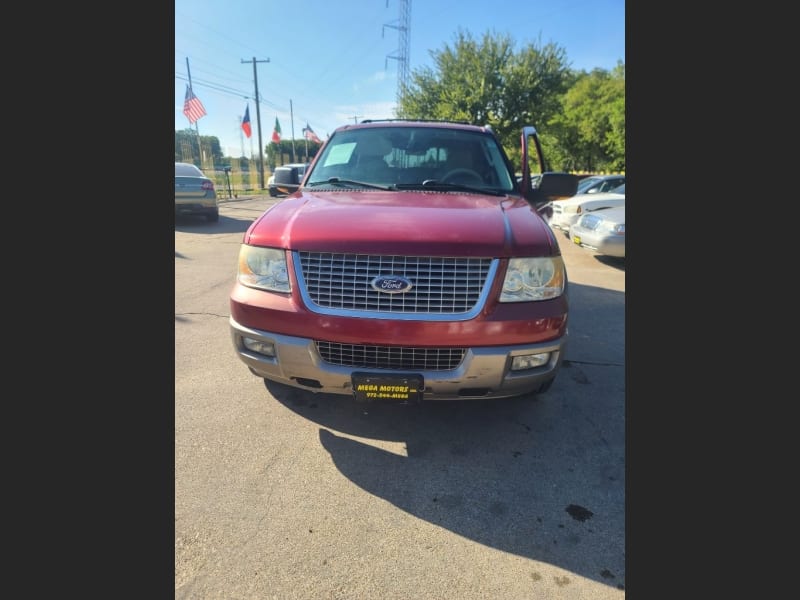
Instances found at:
x=265 y=348
x=529 y=361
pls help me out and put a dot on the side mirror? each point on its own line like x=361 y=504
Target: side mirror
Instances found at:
x=558 y=185
x=553 y=186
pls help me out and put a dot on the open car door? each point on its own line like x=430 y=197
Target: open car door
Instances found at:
x=550 y=185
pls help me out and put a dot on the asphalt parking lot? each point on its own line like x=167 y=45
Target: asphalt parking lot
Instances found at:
x=281 y=493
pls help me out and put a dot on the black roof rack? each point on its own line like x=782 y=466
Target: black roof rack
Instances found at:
x=416 y=121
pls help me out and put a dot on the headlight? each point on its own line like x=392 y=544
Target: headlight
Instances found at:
x=619 y=229
x=263 y=268
x=531 y=279
x=614 y=228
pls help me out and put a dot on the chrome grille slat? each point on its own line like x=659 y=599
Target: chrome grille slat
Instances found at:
x=390 y=357
x=441 y=285
x=590 y=222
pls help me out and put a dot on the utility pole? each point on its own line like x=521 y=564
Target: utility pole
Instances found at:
x=356 y=118
x=258 y=119
x=291 y=115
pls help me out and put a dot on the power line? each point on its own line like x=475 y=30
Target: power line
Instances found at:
x=238 y=94
x=230 y=91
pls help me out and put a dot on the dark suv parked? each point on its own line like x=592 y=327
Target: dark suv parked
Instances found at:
x=286 y=178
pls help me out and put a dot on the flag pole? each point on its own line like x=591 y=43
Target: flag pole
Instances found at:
x=258 y=118
x=291 y=114
x=241 y=131
x=196 y=126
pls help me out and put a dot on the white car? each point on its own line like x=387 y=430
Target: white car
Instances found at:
x=566 y=212
x=602 y=231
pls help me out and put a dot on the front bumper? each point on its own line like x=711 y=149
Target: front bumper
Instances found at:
x=563 y=221
x=204 y=207
x=485 y=372
x=608 y=245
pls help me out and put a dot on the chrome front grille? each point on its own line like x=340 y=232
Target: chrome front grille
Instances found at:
x=439 y=285
x=390 y=357
x=590 y=222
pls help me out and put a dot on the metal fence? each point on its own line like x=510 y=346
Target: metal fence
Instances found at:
x=242 y=175
x=236 y=177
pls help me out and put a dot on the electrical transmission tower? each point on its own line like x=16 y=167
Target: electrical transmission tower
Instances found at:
x=403 y=25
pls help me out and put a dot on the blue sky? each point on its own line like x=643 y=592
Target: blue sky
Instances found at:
x=330 y=62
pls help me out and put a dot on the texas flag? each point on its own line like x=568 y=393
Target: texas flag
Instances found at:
x=246 y=122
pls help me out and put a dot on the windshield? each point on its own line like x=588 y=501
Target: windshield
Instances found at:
x=586 y=183
x=406 y=157
x=187 y=170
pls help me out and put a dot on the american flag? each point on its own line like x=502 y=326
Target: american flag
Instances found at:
x=310 y=135
x=192 y=107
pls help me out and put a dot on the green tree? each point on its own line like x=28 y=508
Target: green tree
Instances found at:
x=281 y=153
x=488 y=83
x=590 y=127
x=615 y=137
x=186 y=149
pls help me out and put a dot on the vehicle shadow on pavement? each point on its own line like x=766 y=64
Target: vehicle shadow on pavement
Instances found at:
x=541 y=477
x=611 y=261
x=198 y=224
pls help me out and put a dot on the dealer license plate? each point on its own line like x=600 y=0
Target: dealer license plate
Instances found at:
x=371 y=387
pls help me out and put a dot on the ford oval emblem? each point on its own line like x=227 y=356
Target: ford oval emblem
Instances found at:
x=390 y=284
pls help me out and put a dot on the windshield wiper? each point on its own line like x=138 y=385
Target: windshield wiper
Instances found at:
x=435 y=184
x=350 y=182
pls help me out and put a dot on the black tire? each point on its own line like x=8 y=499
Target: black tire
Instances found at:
x=213 y=217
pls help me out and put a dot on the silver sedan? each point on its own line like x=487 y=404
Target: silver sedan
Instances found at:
x=602 y=231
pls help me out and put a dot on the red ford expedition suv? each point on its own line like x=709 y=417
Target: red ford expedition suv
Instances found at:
x=409 y=265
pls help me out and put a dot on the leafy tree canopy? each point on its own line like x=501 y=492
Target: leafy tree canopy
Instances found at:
x=590 y=125
x=580 y=116
x=488 y=82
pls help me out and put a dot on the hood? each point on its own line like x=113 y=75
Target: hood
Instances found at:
x=615 y=214
x=582 y=199
x=413 y=223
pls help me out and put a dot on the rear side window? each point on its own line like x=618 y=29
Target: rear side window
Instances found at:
x=187 y=170
x=611 y=184
x=585 y=184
